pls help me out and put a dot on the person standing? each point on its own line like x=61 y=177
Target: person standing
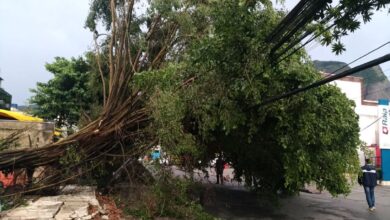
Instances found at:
x=368 y=179
x=219 y=165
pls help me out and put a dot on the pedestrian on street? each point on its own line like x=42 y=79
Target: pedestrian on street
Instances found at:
x=368 y=179
x=219 y=166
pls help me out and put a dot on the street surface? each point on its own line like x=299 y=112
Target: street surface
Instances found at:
x=323 y=206
x=229 y=201
x=233 y=201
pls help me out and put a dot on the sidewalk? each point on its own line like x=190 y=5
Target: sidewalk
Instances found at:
x=75 y=203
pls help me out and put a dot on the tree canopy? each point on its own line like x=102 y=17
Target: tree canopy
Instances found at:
x=64 y=97
x=203 y=69
x=310 y=137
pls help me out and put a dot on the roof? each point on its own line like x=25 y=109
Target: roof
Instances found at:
x=18 y=116
x=345 y=78
x=5 y=92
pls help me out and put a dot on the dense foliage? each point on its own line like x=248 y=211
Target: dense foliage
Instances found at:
x=66 y=96
x=281 y=146
x=204 y=69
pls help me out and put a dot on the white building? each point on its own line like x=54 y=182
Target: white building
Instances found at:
x=367 y=110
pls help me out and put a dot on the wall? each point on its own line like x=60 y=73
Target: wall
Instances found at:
x=367 y=110
x=368 y=117
x=352 y=87
x=36 y=134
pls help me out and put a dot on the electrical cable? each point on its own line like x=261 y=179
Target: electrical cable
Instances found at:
x=313 y=38
x=370 y=124
x=305 y=35
x=299 y=23
x=361 y=67
x=361 y=57
x=303 y=45
x=287 y=20
x=364 y=55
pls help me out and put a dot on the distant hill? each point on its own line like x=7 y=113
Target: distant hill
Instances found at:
x=376 y=85
x=27 y=108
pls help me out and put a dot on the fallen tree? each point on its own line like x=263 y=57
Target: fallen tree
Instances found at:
x=119 y=129
x=209 y=99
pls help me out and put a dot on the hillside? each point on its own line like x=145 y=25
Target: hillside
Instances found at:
x=376 y=85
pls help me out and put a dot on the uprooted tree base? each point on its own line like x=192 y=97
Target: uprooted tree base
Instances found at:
x=106 y=150
x=117 y=132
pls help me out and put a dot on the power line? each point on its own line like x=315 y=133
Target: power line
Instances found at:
x=302 y=45
x=302 y=14
x=288 y=20
x=365 y=87
x=364 y=66
x=313 y=46
x=370 y=124
x=365 y=79
x=364 y=55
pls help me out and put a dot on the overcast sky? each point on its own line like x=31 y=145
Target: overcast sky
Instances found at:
x=33 y=32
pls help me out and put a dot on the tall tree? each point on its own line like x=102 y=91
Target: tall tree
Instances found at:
x=64 y=97
x=203 y=68
x=281 y=146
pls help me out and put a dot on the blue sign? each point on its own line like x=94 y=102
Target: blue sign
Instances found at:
x=385 y=153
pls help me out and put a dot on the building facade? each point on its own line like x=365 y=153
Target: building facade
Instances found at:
x=367 y=110
x=5 y=98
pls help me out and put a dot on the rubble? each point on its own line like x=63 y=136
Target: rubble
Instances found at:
x=75 y=203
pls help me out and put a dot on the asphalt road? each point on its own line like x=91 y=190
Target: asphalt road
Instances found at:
x=324 y=206
x=229 y=202
x=233 y=201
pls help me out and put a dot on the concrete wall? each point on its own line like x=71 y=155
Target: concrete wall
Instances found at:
x=352 y=87
x=367 y=110
x=36 y=134
x=368 y=123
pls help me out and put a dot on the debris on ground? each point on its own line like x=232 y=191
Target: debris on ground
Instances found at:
x=75 y=202
x=109 y=210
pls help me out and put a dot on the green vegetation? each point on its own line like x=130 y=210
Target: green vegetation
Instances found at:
x=167 y=197
x=204 y=74
x=65 y=97
x=282 y=146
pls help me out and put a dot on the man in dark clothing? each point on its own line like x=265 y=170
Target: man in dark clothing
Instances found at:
x=219 y=165
x=368 y=179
